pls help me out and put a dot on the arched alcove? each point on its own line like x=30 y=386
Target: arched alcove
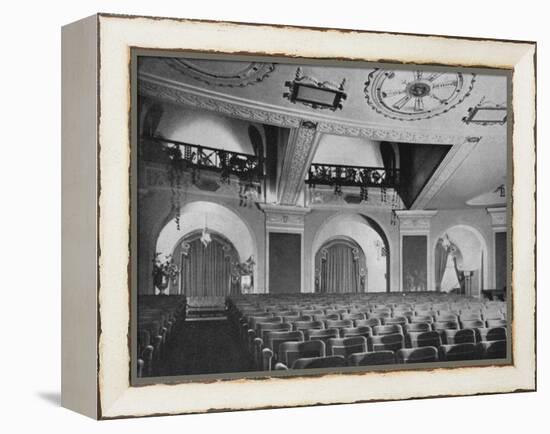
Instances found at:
x=459 y=249
x=219 y=219
x=370 y=236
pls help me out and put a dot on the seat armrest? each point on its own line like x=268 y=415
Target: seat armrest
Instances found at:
x=267 y=356
x=281 y=367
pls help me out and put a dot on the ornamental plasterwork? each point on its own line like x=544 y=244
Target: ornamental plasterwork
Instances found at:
x=498 y=217
x=271 y=115
x=415 y=221
x=245 y=74
x=284 y=217
x=320 y=198
x=240 y=111
x=415 y=95
x=299 y=152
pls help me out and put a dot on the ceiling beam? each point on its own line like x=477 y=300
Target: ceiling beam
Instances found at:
x=300 y=149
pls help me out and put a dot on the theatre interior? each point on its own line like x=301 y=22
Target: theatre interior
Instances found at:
x=305 y=215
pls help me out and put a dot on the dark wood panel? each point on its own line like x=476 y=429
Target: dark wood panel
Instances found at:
x=415 y=262
x=500 y=260
x=285 y=262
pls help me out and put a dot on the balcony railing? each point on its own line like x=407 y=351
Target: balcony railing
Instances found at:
x=352 y=176
x=187 y=155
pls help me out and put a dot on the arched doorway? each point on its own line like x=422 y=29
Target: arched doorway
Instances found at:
x=219 y=219
x=460 y=261
x=340 y=267
x=206 y=265
x=371 y=238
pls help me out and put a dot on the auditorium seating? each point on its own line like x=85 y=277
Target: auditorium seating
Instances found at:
x=156 y=318
x=369 y=329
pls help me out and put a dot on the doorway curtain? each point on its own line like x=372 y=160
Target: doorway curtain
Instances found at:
x=441 y=255
x=339 y=265
x=206 y=270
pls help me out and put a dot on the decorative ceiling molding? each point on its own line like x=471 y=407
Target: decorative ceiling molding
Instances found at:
x=248 y=74
x=444 y=171
x=299 y=152
x=192 y=96
x=416 y=95
x=389 y=134
x=219 y=105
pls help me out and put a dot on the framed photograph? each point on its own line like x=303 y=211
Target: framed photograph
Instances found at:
x=258 y=216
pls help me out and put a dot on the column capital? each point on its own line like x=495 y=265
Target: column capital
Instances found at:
x=414 y=220
x=499 y=218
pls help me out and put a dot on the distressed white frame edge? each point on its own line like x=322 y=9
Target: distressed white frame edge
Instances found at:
x=117 y=398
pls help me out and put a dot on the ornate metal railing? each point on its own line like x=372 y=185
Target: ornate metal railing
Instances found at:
x=187 y=155
x=354 y=176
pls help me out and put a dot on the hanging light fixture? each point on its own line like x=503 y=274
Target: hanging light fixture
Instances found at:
x=206 y=239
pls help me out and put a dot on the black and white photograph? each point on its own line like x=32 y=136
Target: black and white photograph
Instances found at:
x=296 y=216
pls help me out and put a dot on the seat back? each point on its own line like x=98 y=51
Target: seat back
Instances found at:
x=387 y=329
x=496 y=323
x=417 y=327
x=472 y=324
x=395 y=320
x=494 y=349
x=369 y=322
x=445 y=325
x=291 y=351
x=392 y=342
x=274 y=338
x=446 y=317
x=319 y=362
x=492 y=334
x=307 y=325
x=422 y=318
x=353 y=316
x=464 y=336
x=417 y=355
x=325 y=317
x=425 y=339
x=365 y=331
x=263 y=327
x=454 y=352
x=372 y=359
x=346 y=346
x=338 y=324
x=322 y=334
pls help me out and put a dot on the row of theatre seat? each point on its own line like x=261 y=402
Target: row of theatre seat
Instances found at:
x=297 y=332
x=157 y=316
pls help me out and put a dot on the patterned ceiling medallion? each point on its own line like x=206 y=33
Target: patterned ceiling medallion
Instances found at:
x=416 y=95
x=226 y=74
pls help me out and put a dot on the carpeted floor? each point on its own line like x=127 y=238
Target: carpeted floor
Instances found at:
x=204 y=347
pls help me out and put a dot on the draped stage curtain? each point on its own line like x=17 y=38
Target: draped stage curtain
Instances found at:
x=460 y=276
x=339 y=270
x=206 y=271
x=441 y=256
